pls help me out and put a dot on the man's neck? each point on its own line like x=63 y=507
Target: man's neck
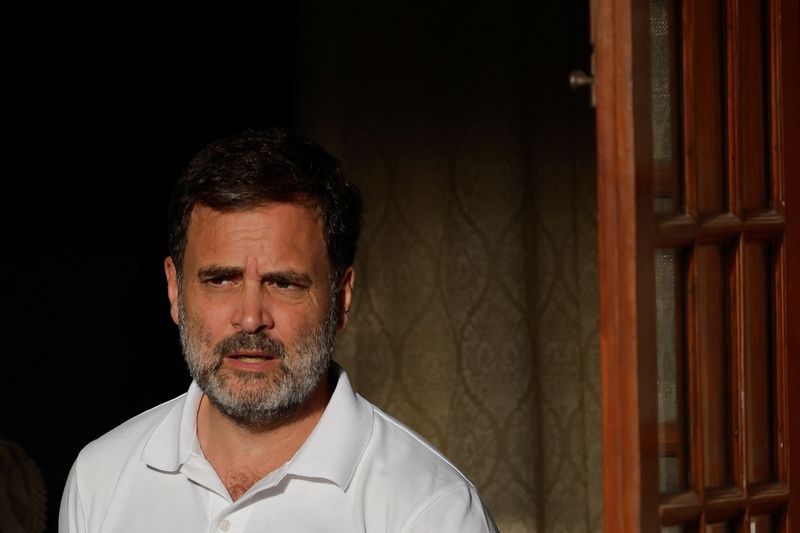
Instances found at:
x=242 y=456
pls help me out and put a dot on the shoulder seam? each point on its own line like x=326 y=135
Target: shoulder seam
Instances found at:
x=163 y=406
x=80 y=495
x=422 y=441
x=424 y=508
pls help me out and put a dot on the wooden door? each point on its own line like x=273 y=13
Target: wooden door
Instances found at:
x=698 y=124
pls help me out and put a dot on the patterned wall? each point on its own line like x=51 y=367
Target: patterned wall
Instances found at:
x=475 y=312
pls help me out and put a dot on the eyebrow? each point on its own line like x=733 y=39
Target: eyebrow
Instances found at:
x=231 y=272
x=218 y=271
x=288 y=276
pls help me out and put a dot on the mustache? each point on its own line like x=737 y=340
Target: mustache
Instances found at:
x=242 y=341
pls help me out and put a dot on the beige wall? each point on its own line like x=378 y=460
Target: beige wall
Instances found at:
x=475 y=315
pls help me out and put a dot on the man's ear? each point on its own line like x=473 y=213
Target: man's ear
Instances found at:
x=345 y=299
x=172 y=287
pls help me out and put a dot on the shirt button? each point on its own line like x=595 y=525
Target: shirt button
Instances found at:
x=224 y=525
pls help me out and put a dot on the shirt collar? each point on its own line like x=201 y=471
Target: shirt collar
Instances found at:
x=335 y=446
x=332 y=451
x=175 y=438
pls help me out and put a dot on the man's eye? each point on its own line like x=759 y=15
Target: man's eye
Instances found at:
x=218 y=282
x=280 y=284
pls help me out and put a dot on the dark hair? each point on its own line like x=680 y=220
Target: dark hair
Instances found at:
x=252 y=168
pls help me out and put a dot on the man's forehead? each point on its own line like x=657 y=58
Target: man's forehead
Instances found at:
x=274 y=228
x=202 y=211
x=207 y=217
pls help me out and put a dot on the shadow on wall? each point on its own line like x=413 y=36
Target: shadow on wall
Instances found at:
x=475 y=313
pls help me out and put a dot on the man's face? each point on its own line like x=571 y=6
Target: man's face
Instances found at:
x=255 y=308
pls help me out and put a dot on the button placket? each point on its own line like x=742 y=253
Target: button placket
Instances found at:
x=236 y=514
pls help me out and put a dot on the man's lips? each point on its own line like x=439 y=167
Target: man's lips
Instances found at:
x=249 y=356
x=252 y=361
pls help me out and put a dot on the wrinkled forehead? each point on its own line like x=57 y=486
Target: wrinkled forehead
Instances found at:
x=201 y=210
x=278 y=231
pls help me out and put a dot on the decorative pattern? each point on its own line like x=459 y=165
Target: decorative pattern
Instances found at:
x=475 y=311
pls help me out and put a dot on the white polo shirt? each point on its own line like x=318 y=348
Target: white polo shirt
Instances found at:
x=359 y=470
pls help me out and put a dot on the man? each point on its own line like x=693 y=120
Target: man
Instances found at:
x=270 y=435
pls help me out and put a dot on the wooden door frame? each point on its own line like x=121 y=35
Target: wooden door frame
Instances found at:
x=626 y=278
x=627 y=330
x=786 y=154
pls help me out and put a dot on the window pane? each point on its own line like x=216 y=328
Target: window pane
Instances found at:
x=664 y=79
x=704 y=110
x=763 y=524
x=713 y=356
x=754 y=59
x=759 y=361
x=720 y=528
x=671 y=365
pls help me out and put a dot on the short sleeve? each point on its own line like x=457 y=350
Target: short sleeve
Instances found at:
x=458 y=510
x=71 y=518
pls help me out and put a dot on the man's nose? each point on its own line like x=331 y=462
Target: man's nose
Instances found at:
x=252 y=314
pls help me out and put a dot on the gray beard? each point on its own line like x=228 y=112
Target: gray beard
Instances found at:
x=280 y=393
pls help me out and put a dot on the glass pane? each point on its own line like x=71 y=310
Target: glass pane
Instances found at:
x=705 y=55
x=670 y=353
x=754 y=59
x=679 y=529
x=720 y=528
x=713 y=358
x=664 y=79
x=759 y=361
x=763 y=524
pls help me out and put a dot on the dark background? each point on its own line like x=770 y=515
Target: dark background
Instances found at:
x=98 y=125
